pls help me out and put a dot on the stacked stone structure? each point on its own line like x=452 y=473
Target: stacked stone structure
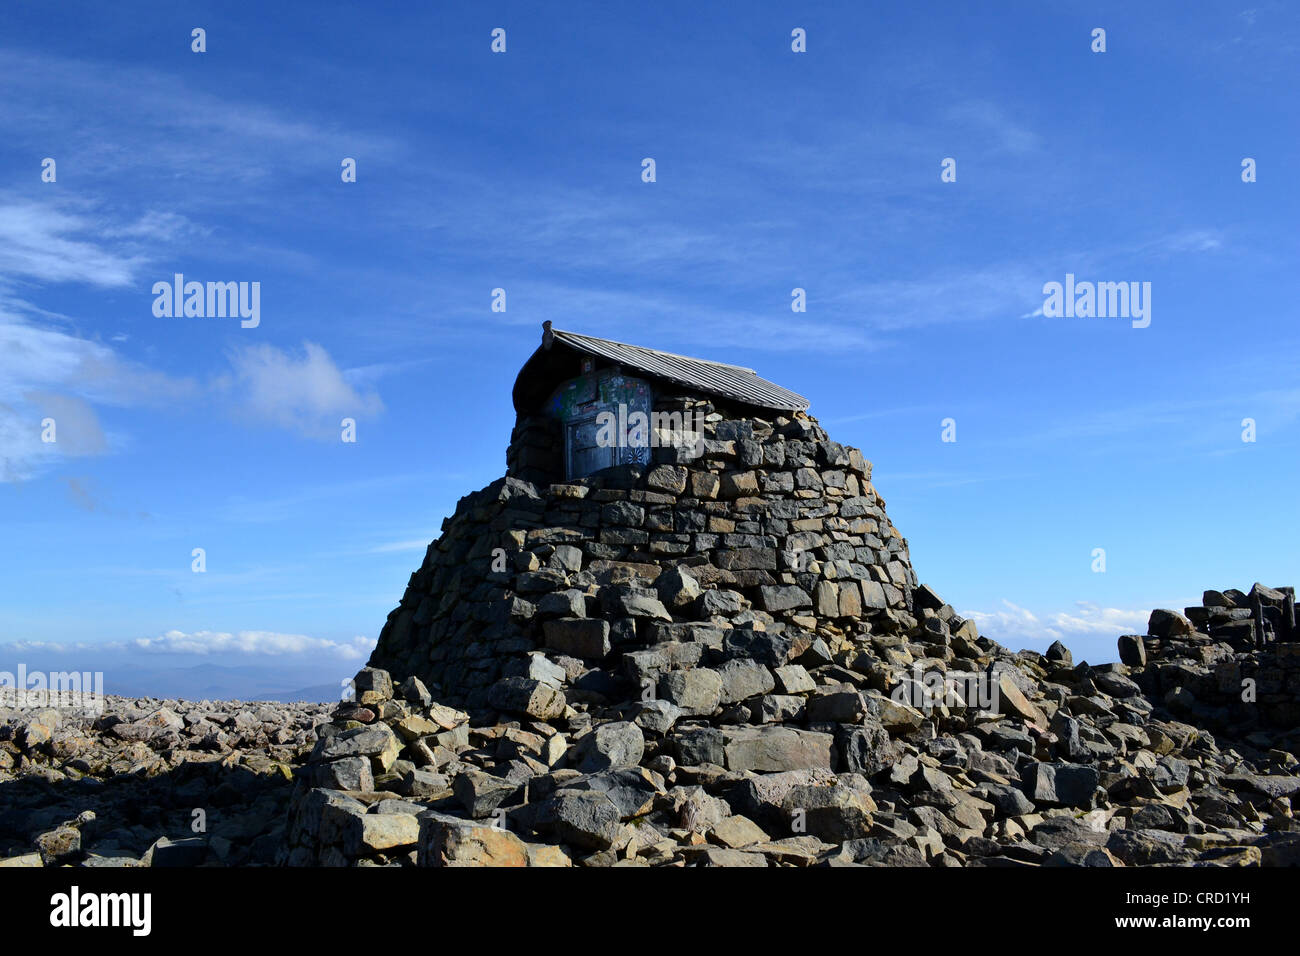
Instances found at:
x=774 y=527
x=1231 y=662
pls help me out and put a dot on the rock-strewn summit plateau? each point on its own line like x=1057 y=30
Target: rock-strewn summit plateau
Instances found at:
x=682 y=630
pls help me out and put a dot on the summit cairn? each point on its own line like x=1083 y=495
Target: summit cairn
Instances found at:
x=758 y=523
x=712 y=650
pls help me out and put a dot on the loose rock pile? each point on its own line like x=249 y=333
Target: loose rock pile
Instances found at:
x=122 y=788
x=1232 y=663
x=786 y=759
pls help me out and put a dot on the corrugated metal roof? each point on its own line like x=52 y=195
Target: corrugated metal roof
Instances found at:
x=732 y=381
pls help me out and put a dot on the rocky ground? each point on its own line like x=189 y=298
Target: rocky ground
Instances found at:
x=758 y=750
x=149 y=782
x=753 y=749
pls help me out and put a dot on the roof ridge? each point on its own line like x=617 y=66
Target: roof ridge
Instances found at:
x=629 y=345
x=734 y=382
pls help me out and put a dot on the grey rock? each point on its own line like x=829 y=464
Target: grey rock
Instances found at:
x=413 y=691
x=1166 y=623
x=424 y=783
x=481 y=793
x=775 y=749
x=348 y=773
x=834 y=813
x=632 y=790
x=610 y=746
x=372 y=686
x=1080 y=854
x=770 y=650
x=794 y=679
x=1009 y=801
x=657 y=716
x=784 y=597
x=696 y=691
x=742 y=679
x=165 y=852
x=523 y=695
x=873 y=852
x=667 y=478
x=868 y=749
x=1061 y=784
x=569 y=603
x=697 y=746
x=677 y=588
x=378 y=742
x=780 y=708
x=587 y=638
x=376 y=833
x=542 y=668
x=1149 y=847
x=634 y=602
x=1056 y=832
x=838 y=707
x=566 y=557
x=587 y=819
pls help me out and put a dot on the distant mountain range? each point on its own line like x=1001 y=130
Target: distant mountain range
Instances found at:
x=173 y=676
x=216 y=682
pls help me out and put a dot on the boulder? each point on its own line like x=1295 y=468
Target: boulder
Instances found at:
x=610 y=746
x=523 y=695
x=775 y=749
x=444 y=842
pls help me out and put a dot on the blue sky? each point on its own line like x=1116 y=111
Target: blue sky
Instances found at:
x=522 y=170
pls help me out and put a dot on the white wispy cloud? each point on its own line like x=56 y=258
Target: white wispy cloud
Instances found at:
x=52 y=373
x=212 y=644
x=418 y=544
x=1211 y=421
x=47 y=243
x=310 y=498
x=253 y=643
x=846 y=310
x=305 y=392
x=1002 y=132
x=172 y=125
x=1086 y=620
x=48 y=368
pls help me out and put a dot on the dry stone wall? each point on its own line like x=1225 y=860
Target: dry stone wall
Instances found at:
x=763 y=525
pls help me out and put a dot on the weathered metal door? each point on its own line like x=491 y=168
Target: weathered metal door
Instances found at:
x=583 y=454
x=606 y=422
